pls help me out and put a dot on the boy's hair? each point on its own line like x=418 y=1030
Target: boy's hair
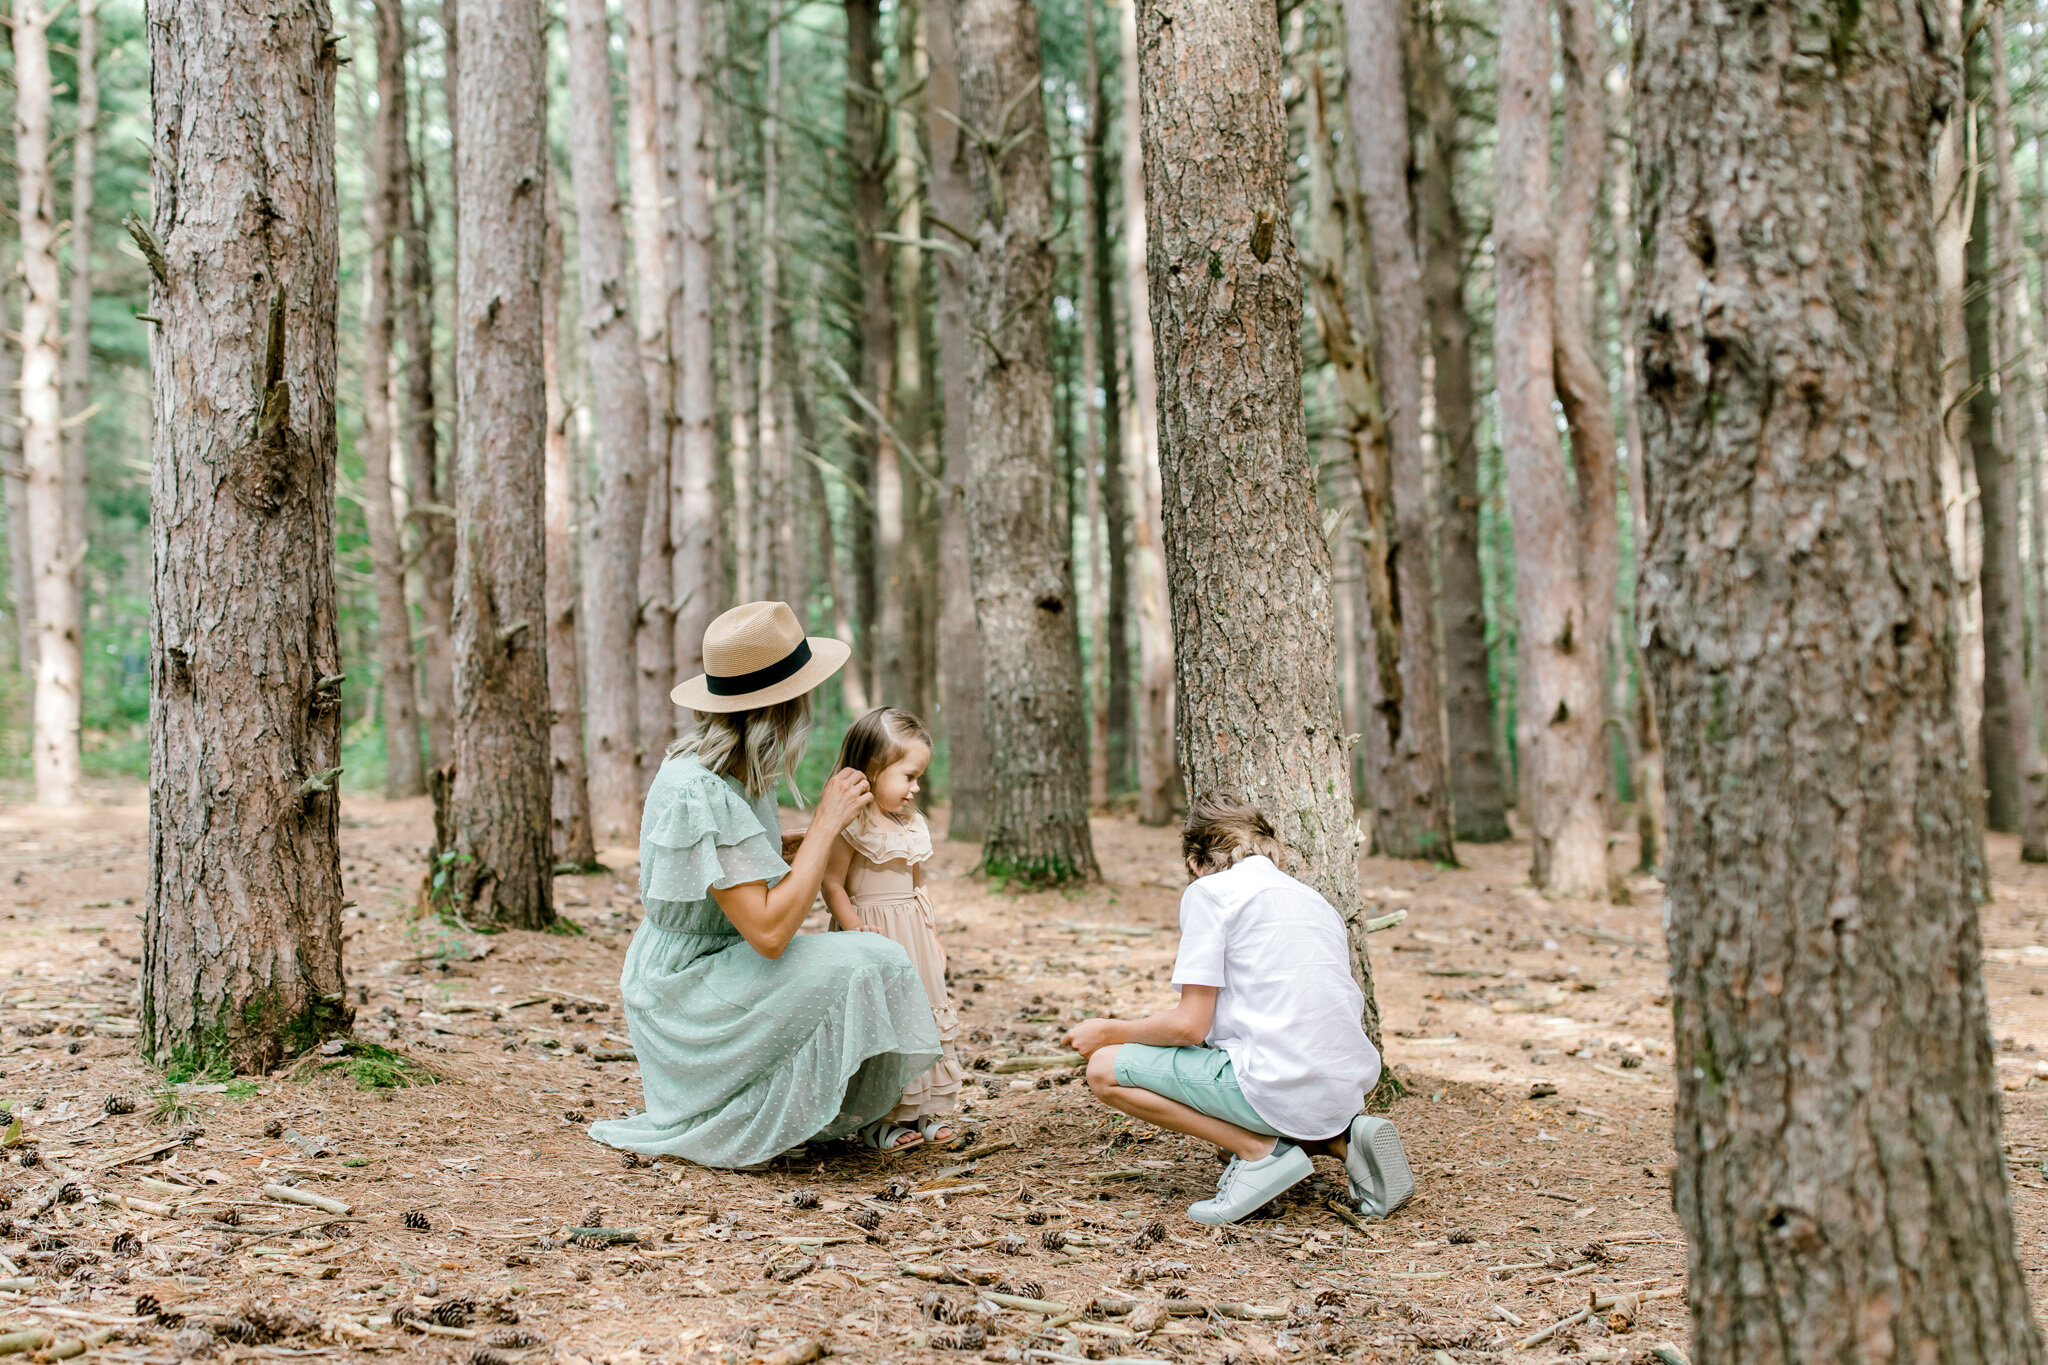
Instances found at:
x=1222 y=830
x=756 y=747
x=879 y=738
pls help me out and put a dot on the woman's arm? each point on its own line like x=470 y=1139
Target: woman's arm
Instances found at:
x=1185 y=1025
x=836 y=899
x=768 y=919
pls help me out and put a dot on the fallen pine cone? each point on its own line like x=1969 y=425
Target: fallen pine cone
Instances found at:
x=146 y=1306
x=895 y=1192
x=1459 y=1237
x=417 y=1221
x=1154 y=1231
x=273 y=1128
x=484 y=1355
x=1144 y=1272
x=501 y=1311
x=1036 y=1218
x=118 y=1104
x=795 y=1270
x=1013 y=1245
x=513 y=1338
x=631 y=1160
x=1052 y=1239
x=230 y=1215
x=1597 y=1250
x=1176 y=1291
x=454 y=1312
x=804 y=1199
x=593 y=1217
x=972 y=1337
x=865 y=1219
x=409 y=1318
x=517 y=1259
x=127 y=1244
x=1022 y=1289
x=1325 y=1298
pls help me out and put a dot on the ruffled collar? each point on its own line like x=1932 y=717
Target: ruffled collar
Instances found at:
x=884 y=839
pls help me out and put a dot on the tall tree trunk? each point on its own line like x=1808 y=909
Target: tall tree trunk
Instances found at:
x=649 y=52
x=962 y=700
x=242 y=933
x=1158 y=775
x=775 y=534
x=569 y=802
x=2037 y=457
x=404 y=772
x=1558 y=687
x=866 y=137
x=1478 y=795
x=85 y=144
x=693 y=448
x=729 y=215
x=21 y=577
x=1411 y=795
x=1092 y=515
x=1116 y=626
x=1037 y=819
x=499 y=862
x=909 y=585
x=53 y=540
x=1840 y=1174
x=619 y=392
x=2017 y=786
x=1253 y=619
x=428 y=505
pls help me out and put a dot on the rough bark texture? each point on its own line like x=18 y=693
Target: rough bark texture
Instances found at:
x=961 y=698
x=774 y=537
x=1410 y=794
x=1840 y=1174
x=242 y=951
x=1017 y=508
x=1159 y=781
x=404 y=772
x=874 y=527
x=1116 y=626
x=909 y=655
x=498 y=862
x=85 y=143
x=1559 y=685
x=1093 y=243
x=612 y=540
x=699 y=581
x=21 y=578
x=428 y=489
x=1478 y=794
x=569 y=802
x=53 y=539
x=1253 y=620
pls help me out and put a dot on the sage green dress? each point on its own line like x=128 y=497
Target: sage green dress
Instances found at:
x=743 y=1057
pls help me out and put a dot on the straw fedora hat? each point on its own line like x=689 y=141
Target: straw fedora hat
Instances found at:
x=757 y=655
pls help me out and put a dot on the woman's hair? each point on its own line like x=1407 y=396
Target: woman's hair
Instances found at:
x=756 y=747
x=879 y=738
x=1222 y=830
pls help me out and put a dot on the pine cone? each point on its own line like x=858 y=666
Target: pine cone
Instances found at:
x=796 y=1270
x=417 y=1221
x=865 y=1219
x=230 y=1215
x=516 y=1259
x=1012 y=1245
x=1154 y=1231
x=935 y=1305
x=512 y=1338
x=969 y=1337
x=1599 y=1251
x=1325 y=1298
x=127 y=1244
x=1459 y=1237
x=592 y=1243
x=1028 y=1289
x=804 y=1198
x=593 y=1217
x=147 y=1306
x=69 y=1193
x=572 y=1116
x=46 y=1241
x=118 y=1104
x=1036 y=1218
x=1180 y=1291
x=500 y=1311
x=409 y=1318
x=454 y=1312
x=895 y=1192
x=630 y=1160
x=484 y=1355
x=29 y=1157
x=1052 y=1239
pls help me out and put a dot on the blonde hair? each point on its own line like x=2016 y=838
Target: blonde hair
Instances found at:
x=1224 y=829
x=879 y=738
x=757 y=747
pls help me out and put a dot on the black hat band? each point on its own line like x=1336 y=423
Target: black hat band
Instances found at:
x=739 y=684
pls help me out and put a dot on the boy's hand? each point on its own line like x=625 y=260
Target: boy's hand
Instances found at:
x=1090 y=1035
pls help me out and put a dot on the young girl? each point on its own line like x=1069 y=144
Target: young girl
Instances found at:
x=874 y=881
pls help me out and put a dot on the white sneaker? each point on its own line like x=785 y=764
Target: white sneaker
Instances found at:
x=1248 y=1186
x=1380 y=1179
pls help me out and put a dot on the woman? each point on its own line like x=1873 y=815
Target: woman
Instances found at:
x=752 y=1040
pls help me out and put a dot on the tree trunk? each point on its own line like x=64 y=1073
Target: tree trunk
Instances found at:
x=693 y=447
x=1092 y=514
x=1558 y=686
x=874 y=529
x=2014 y=776
x=648 y=53
x=1840 y=1174
x=1116 y=515
x=1254 y=638
x=962 y=700
x=569 y=801
x=53 y=540
x=619 y=392
x=775 y=537
x=404 y=774
x=1017 y=509
x=21 y=577
x=499 y=863
x=729 y=217
x=1159 y=785
x=1478 y=797
x=1411 y=795
x=242 y=938
x=85 y=143
x=908 y=586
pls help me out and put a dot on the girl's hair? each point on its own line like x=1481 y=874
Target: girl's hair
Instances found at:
x=1222 y=830
x=879 y=738
x=756 y=747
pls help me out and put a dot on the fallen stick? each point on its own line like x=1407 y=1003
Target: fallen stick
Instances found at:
x=292 y=1195
x=1565 y=1274
x=293 y=1232
x=1597 y=1305
x=18 y=1283
x=148 y=1149
x=971 y=1187
x=1058 y=1063
x=797 y=1353
x=1386 y=921
x=77 y=1346
x=609 y=1236
x=1343 y=1211
x=1509 y=1318
x=1250 y=1312
x=1084 y=1360
x=1024 y=1305
x=137 y=1204
x=15 y=1342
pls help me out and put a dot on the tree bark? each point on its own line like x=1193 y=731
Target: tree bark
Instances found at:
x=53 y=540
x=1159 y=782
x=1017 y=508
x=962 y=700
x=404 y=773
x=21 y=577
x=875 y=529
x=909 y=587
x=775 y=534
x=729 y=219
x=1093 y=242
x=569 y=800
x=499 y=861
x=1411 y=794
x=1478 y=796
x=1840 y=1174
x=242 y=936
x=619 y=392
x=1559 y=685
x=694 y=510
x=1116 y=514
x=1254 y=639
x=85 y=143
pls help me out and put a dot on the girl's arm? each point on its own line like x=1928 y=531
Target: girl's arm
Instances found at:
x=836 y=899
x=768 y=919
x=1185 y=1025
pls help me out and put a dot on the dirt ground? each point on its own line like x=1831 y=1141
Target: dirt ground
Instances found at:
x=1532 y=1036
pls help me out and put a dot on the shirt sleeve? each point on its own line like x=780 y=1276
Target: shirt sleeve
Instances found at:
x=1200 y=961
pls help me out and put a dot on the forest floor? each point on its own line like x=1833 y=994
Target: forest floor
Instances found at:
x=1532 y=1036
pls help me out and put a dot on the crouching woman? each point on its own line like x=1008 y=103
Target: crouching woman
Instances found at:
x=1265 y=1055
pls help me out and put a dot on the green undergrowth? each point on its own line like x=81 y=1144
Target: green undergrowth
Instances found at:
x=370 y=1066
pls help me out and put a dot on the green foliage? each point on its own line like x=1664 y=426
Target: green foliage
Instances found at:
x=372 y=1067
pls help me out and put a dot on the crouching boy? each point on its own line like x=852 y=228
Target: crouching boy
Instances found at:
x=1265 y=1055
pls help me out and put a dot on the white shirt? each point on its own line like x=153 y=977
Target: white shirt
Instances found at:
x=1287 y=1010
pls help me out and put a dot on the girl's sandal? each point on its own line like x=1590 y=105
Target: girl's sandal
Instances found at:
x=885 y=1136
x=930 y=1129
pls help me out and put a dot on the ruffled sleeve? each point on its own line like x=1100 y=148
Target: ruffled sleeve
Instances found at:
x=881 y=839
x=699 y=834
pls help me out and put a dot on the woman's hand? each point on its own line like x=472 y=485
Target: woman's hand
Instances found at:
x=845 y=796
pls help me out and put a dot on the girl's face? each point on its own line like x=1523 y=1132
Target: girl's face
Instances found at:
x=896 y=786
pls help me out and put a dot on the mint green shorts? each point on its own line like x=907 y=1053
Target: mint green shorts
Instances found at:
x=1199 y=1077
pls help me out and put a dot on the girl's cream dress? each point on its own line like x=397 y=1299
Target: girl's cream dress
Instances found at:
x=879 y=883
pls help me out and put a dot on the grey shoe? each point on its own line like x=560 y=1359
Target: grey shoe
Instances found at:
x=1380 y=1179
x=1248 y=1186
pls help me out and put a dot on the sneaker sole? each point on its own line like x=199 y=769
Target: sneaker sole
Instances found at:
x=1226 y=1222
x=1386 y=1163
